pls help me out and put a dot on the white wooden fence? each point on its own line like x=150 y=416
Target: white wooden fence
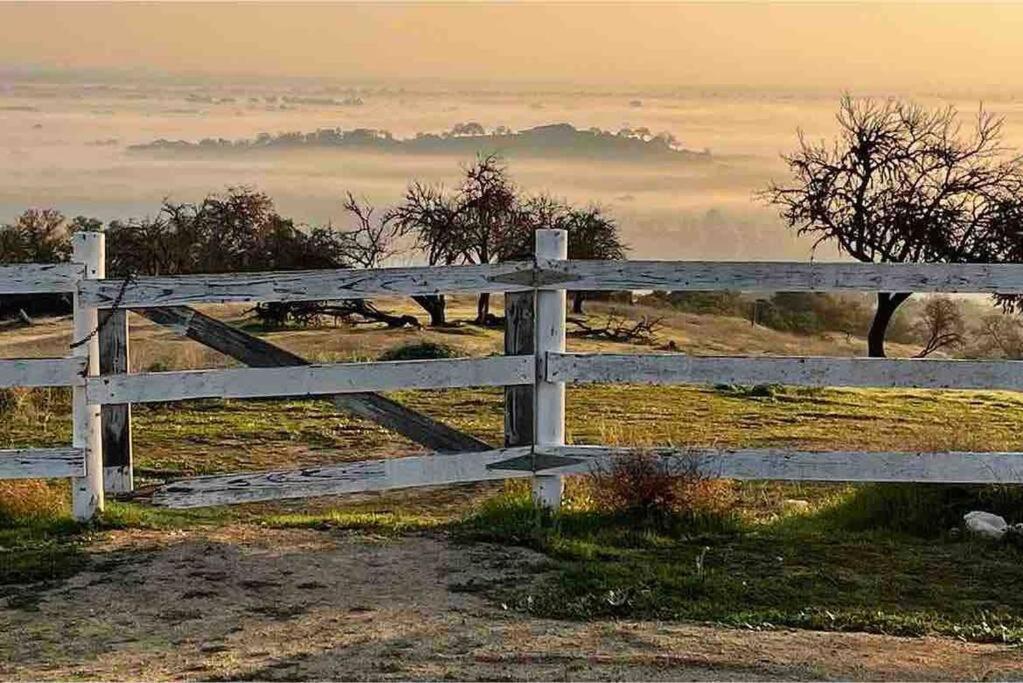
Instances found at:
x=82 y=462
x=548 y=369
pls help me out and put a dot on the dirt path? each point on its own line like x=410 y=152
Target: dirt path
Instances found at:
x=250 y=603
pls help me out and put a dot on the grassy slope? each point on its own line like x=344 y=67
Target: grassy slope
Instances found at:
x=841 y=565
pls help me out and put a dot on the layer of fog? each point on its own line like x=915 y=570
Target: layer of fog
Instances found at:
x=64 y=147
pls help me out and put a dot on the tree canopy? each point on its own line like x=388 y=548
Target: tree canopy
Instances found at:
x=901 y=183
x=487 y=218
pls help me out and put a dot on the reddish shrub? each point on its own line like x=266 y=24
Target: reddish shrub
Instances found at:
x=645 y=484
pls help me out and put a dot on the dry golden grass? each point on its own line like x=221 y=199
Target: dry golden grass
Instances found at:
x=21 y=499
x=156 y=347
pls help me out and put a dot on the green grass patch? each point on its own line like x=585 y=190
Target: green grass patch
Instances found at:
x=127 y=515
x=805 y=571
x=924 y=510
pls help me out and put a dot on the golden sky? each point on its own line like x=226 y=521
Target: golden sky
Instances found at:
x=877 y=45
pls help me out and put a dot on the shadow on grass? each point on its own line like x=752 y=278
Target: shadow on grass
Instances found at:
x=39 y=551
x=36 y=553
x=924 y=510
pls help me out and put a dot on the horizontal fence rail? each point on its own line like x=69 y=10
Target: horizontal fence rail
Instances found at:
x=311 y=380
x=40 y=278
x=39 y=463
x=144 y=292
x=437 y=469
x=433 y=469
x=781 y=277
x=305 y=285
x=676 y=368
x=42 y=372
x=787 y=464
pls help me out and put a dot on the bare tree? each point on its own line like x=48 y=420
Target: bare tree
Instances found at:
x=592 y=235
x=431 y=217
x=941 y=325
x=372 y=240
x=488 y=219
x=1001 y=335
x=470 y=225
x=487 y=207
x=901 y=184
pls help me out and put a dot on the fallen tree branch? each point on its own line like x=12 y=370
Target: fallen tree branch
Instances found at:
x=619 y=328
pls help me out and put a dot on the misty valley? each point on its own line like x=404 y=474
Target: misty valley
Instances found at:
x=678 y=170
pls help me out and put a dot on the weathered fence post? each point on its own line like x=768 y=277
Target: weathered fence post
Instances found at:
x=118 y=476
x=519 y=340
x=87 y=492
x=550 y=396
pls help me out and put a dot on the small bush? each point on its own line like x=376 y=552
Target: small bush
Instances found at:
x=158 y=365
x=706 y=303
x=750 y=390
x=644 y=485
x=420 y=351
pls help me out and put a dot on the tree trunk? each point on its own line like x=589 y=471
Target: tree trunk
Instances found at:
x=577 y=302
x=482 y=308
x=436 y=306
x=886 y=307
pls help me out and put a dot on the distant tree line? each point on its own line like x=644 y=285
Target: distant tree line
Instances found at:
x=470 y=137
x=796 y=312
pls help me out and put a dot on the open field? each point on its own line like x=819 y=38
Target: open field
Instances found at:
x=776 y=581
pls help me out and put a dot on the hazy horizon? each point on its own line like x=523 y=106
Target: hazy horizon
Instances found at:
x=913 y=47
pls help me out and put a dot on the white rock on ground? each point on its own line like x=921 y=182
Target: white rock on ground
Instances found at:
x=985 y=524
